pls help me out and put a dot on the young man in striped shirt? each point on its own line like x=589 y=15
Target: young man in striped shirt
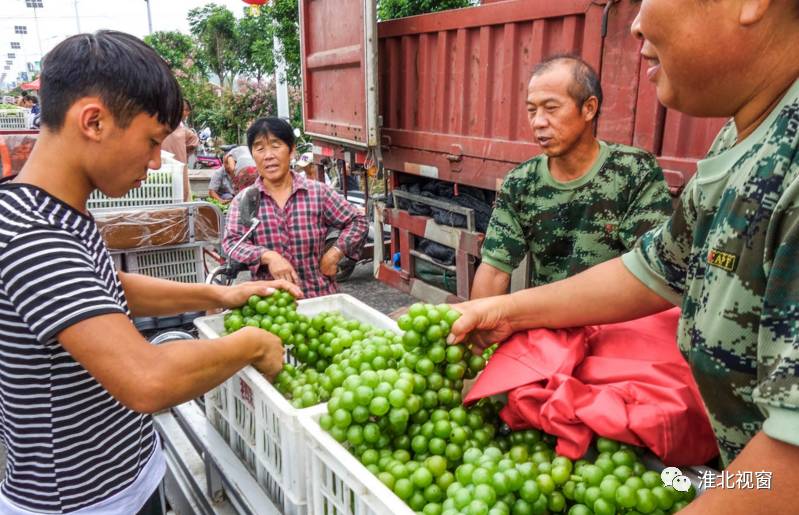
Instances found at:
x=77 y=381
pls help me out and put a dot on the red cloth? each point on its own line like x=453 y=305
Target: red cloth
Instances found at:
x=245 y=178
x=624 y=381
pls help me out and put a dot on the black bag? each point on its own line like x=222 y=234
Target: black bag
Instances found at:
x=414 y=208
x=441 y=253
x=469 y=197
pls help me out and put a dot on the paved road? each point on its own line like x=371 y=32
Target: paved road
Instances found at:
x=366 y=288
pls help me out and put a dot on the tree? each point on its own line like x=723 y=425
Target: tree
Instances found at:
x=174 y=47
x=286 y=15
x=256 y=47
x=228 y=48
x=390 y=9
x=214 y=27
x=230 y=114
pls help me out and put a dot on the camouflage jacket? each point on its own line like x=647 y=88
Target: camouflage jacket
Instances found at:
x=568 y=227
x=730 y=257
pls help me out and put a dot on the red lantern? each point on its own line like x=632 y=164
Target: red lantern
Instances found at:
x=255 y=6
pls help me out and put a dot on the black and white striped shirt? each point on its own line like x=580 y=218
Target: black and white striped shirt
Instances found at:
x=70 y=444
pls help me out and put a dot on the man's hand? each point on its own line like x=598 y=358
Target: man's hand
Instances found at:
x=235 y=296
x=329 y=262
x=279 y=267
x=148 y=378
x=762 y=453
x=483 y=321
x=271 y=361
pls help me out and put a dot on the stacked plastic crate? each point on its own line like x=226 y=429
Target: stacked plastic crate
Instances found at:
x=162 y=186
x=13 y=119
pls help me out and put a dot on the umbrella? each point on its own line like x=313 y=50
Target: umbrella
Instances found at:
x=30 y=85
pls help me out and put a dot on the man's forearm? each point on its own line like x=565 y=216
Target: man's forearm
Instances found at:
x=186 y=184
x=149 y=296
x=148 y=378
x=762 y=454
x=196 y=366
x=606 y=293
x=489 y=281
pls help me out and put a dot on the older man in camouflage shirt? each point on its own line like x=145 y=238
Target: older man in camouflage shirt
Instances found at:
x=730 y=254
x=581 y=202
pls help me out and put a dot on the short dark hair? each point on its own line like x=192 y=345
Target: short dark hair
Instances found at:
x=127 y=75
x=585 y=82
x=277 y=127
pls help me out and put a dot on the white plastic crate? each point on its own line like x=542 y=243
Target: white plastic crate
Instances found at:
x=13 y=119
x=162 y=186
x=217 y=411
x=263 y=427
x=182 y=264
x=337 y=482
x=117 y=259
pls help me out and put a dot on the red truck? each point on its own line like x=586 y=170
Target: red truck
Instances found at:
x=442 y=95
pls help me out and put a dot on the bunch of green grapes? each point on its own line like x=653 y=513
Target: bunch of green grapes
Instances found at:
x=330 y=350
x=276 y=313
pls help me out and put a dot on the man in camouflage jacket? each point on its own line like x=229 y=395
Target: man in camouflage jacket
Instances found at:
x=580 y=203
x=729 y=256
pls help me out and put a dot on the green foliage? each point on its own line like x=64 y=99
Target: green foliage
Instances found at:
x=205 y=99
x=182 y=55
x=14 y=92
x=230 y=113
x=255 y=32
x=234 y=49
x=216 y=30
x=295 y=103
x=178 y=50
x=390 y=9
x=287 y=16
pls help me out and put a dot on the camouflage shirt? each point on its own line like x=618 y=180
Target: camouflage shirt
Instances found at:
x=571 y=226
x=730 y=257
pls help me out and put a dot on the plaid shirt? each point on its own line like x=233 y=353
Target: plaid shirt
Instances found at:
x=297 y=232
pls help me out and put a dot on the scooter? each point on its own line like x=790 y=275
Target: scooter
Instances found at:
x=204 y=156
x=229 y=269
x=203 y=160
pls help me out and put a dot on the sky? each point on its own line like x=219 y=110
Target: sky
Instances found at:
x=57 y=20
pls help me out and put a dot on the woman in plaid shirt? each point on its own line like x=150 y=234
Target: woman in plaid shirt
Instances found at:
x=296 y=214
